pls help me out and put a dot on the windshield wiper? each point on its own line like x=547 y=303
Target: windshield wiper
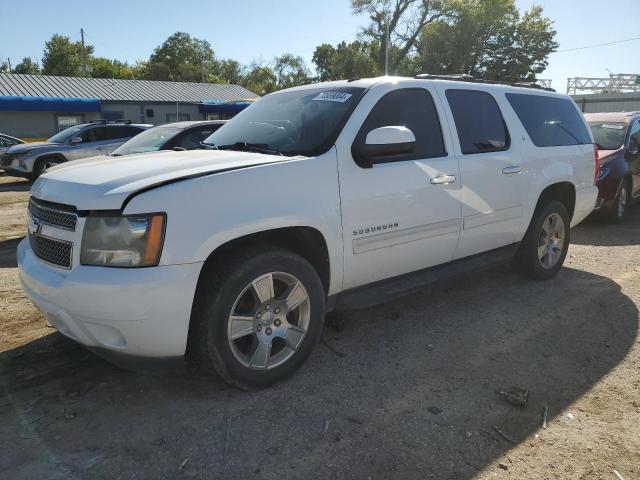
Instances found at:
x=250 y=147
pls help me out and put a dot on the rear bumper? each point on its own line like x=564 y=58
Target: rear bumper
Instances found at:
x=142 y=312
x=585 y=203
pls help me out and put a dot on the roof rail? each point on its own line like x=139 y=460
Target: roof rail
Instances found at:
x=121 y=120
x=468 y=78
x=100 y=120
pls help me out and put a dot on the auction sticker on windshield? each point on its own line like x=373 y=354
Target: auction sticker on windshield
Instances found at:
x=612 y=127
x=340 y=97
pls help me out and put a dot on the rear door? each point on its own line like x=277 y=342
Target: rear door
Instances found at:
x=493 y=187
x=396 y=216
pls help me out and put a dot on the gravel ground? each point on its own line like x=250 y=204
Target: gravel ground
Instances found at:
x=407 y=390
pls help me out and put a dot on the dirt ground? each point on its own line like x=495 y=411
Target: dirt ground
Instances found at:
x=406 y=391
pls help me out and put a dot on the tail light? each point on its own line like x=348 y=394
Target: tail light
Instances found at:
x=596 y=155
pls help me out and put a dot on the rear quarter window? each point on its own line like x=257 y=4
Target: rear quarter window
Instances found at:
x=550 y=121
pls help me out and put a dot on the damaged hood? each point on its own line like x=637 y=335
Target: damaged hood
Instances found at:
x=104 y=183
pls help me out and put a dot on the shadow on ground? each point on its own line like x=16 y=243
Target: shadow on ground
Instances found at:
x=412 y=396
x=593 y=232
x=8 y=252
x=14 y=184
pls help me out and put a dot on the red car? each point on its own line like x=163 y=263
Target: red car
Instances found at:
x=617 y=137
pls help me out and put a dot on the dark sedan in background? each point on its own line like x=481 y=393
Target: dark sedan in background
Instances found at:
x=617 y=136
x=171 y=136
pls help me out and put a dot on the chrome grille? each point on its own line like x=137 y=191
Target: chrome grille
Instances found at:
x=52 y=215
x=56 y=252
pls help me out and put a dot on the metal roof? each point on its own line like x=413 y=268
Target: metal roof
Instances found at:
x=110 y=90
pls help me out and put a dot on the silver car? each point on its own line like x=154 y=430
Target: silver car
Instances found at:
x=86 y=140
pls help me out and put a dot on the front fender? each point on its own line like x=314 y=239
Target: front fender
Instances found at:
x=206 y=212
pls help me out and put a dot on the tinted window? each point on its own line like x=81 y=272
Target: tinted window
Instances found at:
x=121 y=132
x=478 y=120
x=412 y=108
x=193 y=137
x=608 y=135
x=95 y=134
x=550 y=121
x=634 y=136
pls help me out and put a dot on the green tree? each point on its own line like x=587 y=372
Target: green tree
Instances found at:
x=345 y=60
x=182 y=58
x=64 y=57
x=405 y=20
x=106 y=68
x=27 y=66
x=229 y=71
x=260 y=79
x=487 y=39
x=4 y=67
x=290 y=71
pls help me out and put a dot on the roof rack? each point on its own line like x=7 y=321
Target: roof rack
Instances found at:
x=468 y=78
x=121 y=120
x=100 y=120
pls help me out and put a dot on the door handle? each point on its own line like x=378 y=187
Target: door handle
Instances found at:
x=443 y=179
x=511 y=169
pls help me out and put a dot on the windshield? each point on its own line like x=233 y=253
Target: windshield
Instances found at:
x=299 y=122
x=608 y=136
x=150 y=140
x=66 y=134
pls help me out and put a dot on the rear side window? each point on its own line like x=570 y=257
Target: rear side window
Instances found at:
x=122 y=132
x=549 y=121
x=479 y=122
x=412 y=108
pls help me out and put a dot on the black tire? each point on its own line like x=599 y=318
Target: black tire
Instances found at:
x=220 y=284
x=617 y=213
x=526 y=261
x=41 y=165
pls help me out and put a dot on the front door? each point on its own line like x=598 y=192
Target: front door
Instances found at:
x=399 y=215
x=493 y=186
x=632 y=156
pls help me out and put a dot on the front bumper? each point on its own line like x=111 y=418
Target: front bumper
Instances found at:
x=139 y=312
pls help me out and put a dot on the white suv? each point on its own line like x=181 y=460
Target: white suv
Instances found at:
x=328 y=196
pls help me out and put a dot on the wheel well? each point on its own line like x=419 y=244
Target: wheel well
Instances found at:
x=48 y=155
x=564 y=192
x=305 y=241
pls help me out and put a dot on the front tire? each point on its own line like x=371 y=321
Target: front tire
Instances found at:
x=544 y=246
x=257 y=316
x=41 y=166
x=617 y=212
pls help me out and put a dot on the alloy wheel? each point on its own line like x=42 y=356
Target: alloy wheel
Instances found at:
x=551 y=240
x=269 y=320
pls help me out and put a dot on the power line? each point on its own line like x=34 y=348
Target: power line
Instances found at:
x=597 y=45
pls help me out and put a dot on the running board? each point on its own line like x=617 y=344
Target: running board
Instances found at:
x=392 y=288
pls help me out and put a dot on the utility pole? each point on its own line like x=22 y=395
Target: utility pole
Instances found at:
x=386 y=47
x=9 y=63
x=84 y=54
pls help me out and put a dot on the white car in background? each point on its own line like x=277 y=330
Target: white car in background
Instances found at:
x=328 y=196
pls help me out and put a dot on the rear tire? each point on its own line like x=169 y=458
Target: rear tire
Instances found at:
x=257 y=316
x=544 y=246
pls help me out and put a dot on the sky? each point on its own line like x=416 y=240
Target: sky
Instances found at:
x=248 y=30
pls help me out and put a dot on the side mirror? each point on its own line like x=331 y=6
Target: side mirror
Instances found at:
x=382 y=143
x=76 y=140
x=634 y=149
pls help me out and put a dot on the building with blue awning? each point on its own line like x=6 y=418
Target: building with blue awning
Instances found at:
x=38 y=106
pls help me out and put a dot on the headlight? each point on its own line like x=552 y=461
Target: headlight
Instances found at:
x=603 y=172
x=123 y=240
